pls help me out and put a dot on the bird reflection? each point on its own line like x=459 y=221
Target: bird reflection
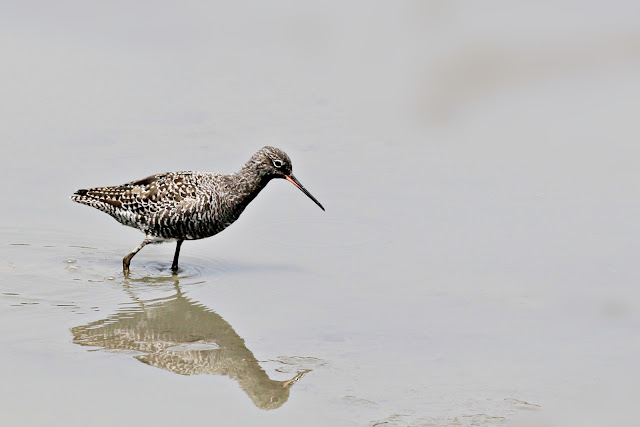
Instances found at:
x=184 y=337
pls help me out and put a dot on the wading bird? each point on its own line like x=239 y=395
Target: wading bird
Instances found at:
x=179 y=206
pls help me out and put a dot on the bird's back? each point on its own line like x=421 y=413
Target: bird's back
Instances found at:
x=162 y=205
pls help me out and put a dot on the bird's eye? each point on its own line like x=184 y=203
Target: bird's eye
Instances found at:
x=277 y=163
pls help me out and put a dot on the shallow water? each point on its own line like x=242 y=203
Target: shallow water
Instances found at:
x=476 y=265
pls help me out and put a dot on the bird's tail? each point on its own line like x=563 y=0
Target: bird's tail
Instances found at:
x=94 y=195
x=102 y=198
x=109 y=200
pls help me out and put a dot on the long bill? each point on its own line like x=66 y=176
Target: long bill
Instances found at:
x=292 y=179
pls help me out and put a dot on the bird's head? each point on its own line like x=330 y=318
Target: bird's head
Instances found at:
x=272 y=162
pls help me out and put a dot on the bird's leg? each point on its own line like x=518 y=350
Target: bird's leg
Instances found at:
x=174 y=266
x=127 y=260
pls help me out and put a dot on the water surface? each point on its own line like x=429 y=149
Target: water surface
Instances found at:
x=476 y=265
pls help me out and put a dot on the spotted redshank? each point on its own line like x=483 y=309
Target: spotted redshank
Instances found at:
x=179 y=206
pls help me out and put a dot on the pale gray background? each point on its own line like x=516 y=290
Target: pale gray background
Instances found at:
x=478 y=162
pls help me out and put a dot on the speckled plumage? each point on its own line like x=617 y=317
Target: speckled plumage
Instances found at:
x=188 y=205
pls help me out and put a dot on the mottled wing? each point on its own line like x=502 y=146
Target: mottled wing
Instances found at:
x=163 y=191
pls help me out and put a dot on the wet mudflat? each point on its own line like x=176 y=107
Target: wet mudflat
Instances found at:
x=476 y=264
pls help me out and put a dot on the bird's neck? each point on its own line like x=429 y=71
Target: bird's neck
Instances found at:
x=248 y=182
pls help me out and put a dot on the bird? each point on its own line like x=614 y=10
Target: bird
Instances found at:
x=188 y=205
